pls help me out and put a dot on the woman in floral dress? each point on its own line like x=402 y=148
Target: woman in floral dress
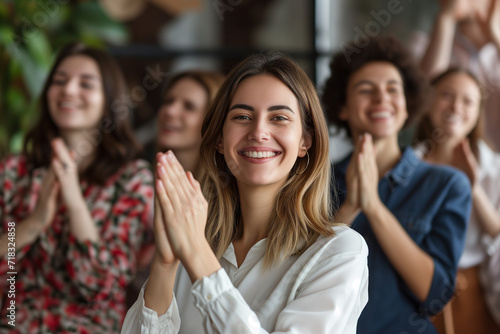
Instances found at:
x=77 y=203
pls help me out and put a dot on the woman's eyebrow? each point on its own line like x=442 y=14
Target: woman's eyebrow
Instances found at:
x=250 y=108
x=280 y=107
x=242 y=106
x=368 y=82
x=84 y=75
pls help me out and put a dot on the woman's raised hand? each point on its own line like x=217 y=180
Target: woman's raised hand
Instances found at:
x=66 y=170
x=455 y=9
x=464 y=159
x=47 y=200
x=352 y=178
x=183 y=209
x=489 y=24
x=367 y=174
x=163 y=252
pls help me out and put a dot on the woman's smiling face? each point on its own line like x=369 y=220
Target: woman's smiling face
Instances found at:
x=181 y=115
x=262 y=134
x=76 y=95
x=376 y=102
x=455 y=105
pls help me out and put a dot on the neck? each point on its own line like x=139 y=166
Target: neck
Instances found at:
x=189 y=159
x=84 y=147
x=387 y=154
x=442 y=153
x=257 y=204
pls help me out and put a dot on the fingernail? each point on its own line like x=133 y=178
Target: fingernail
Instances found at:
x=163 y=158
x=170 y=155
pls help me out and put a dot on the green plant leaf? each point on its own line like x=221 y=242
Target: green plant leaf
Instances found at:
x=16 y=100
x=40 y=50
x=16 y=142
x=91 y=19
x=34 y=74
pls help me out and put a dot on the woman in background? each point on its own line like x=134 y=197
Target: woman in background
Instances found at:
x=450 y=133
x=79 y=200
x=413 y=215
x=185 y=102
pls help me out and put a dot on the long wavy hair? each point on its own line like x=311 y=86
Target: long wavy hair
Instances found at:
x=112 y=140
x=425 y=130
x=302 y=210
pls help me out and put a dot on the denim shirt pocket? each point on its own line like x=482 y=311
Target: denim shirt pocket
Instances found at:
x=417 y=226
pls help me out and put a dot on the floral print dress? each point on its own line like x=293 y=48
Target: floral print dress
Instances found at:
x=63 y=285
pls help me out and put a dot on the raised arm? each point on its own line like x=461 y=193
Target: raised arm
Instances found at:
x=437 y=56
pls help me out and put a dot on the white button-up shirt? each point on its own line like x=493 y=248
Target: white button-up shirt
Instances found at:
x=321 y=291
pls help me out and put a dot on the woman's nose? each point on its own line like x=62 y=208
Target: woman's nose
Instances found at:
x=259 y=131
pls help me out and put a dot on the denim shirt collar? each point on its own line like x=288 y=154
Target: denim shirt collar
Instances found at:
x=403 y=171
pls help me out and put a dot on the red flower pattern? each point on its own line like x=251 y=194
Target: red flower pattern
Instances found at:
x=66 y=286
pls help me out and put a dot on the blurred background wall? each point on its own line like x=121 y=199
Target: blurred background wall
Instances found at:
x=160 y=37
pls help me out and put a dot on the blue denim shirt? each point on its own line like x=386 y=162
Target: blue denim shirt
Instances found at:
x=432 y=203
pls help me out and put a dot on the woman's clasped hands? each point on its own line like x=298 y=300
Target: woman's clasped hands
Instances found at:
x=180 y=216
x=362 y=176
x=61 y=178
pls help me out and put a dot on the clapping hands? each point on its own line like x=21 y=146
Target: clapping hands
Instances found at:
x=180 y=211
x=61 y=178
x=362 y=176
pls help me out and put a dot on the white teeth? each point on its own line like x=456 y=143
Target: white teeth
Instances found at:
x=381 y=114
x=452 y=118
x=259 y=154
x=68 y=105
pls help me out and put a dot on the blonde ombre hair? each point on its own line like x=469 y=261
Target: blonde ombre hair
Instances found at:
x=302 y=210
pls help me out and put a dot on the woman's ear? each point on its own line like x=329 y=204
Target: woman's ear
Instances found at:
x=305 y=145
x=220 y=146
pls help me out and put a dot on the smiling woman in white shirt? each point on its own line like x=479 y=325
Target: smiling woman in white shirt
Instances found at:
x=253 y=249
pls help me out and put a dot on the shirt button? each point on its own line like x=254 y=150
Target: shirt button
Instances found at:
x=209 y=296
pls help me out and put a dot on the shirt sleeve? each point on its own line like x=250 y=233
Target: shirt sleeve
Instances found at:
x=140 y=319
x=98 y=267
x=329 y=300
x=326 y=300
x=446 y=242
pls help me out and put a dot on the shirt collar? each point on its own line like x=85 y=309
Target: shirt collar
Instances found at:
x=254 y=254
x=405 y=168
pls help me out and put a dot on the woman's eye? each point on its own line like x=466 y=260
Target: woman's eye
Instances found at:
x=279 y=118
x=87 y=85
x=365 y=91
x=243 y=117
x=58 y=82
x=189 y=106
x=447 y=95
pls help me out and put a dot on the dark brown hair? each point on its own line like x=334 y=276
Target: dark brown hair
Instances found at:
x=113 y=139
x=386 y=49
x=209 y=80
x=425 y=129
